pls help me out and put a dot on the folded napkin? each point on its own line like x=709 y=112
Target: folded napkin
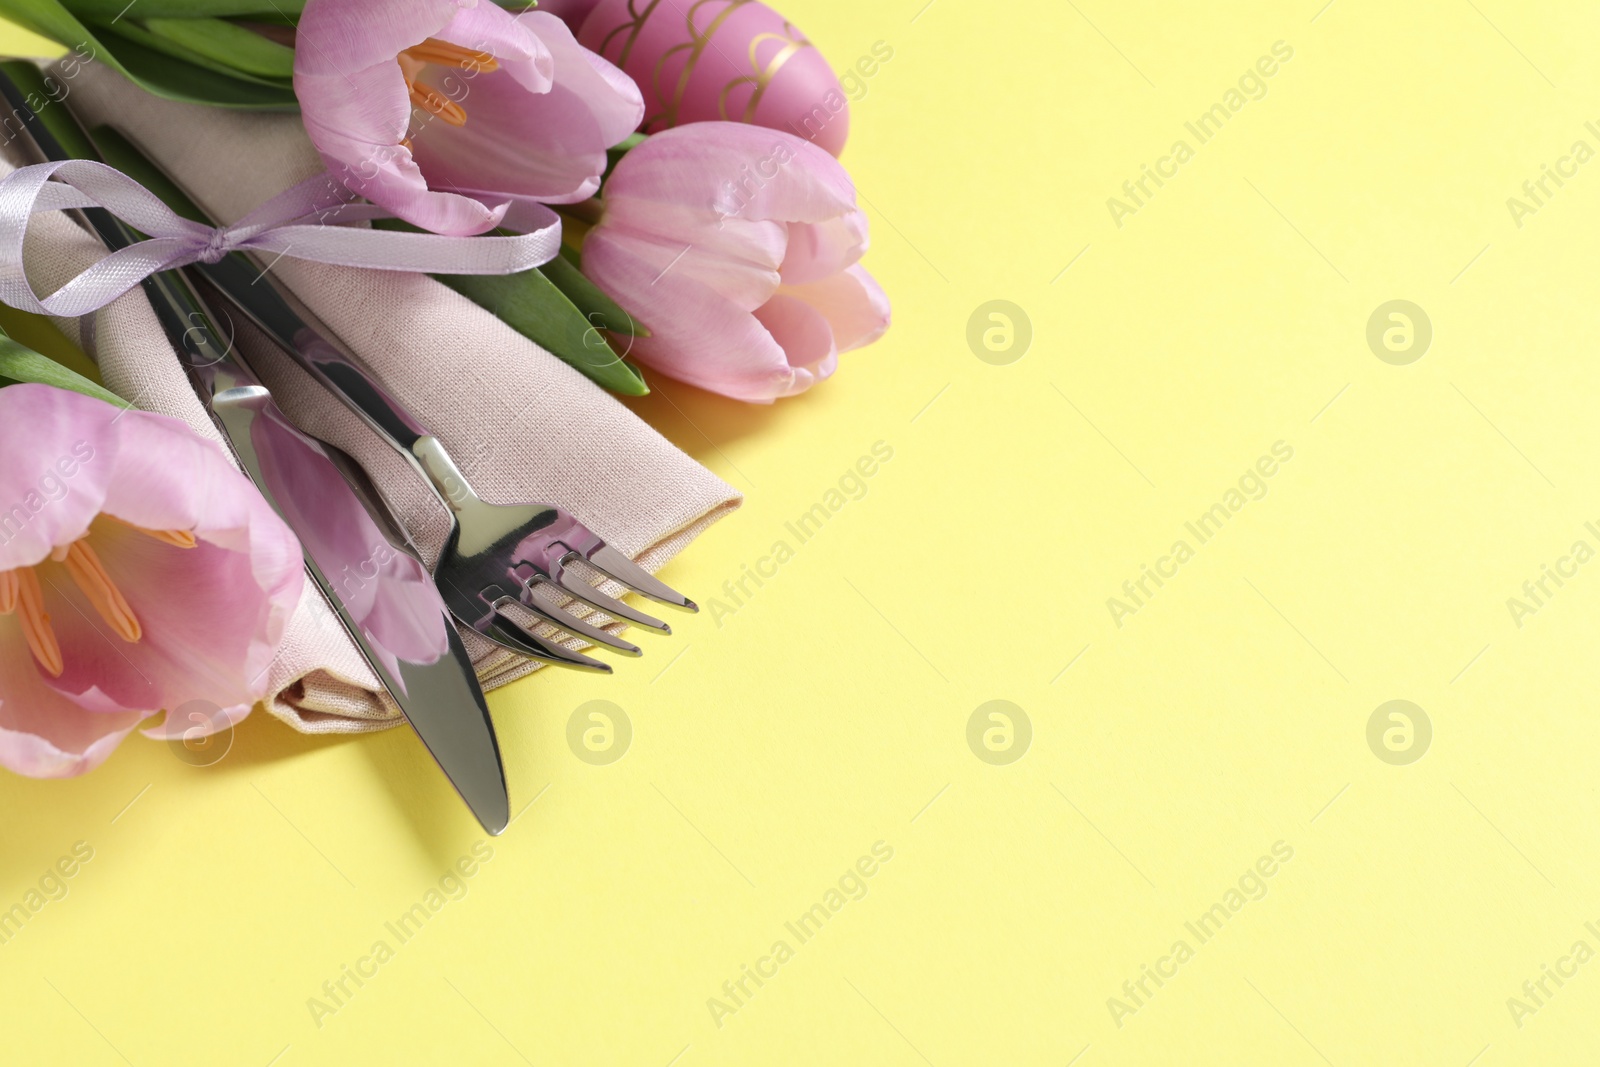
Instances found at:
x=522 y=424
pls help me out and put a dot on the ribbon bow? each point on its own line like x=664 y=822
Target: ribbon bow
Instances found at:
x=298 y=222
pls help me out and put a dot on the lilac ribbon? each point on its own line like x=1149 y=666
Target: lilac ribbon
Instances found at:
x=298 y=222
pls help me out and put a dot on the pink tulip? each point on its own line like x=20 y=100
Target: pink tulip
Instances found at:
x=139 y=571
x=717 y=59
x=389 y=594
x=736 y=246
x=509 y=109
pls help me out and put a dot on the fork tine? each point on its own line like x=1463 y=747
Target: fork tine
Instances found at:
x=581 y=591
x=614 y=564
x=518 y=638
x=577 y=627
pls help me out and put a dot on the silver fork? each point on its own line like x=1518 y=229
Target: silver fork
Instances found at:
x=496 y=556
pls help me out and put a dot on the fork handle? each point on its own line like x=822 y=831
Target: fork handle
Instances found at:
x=442 y=471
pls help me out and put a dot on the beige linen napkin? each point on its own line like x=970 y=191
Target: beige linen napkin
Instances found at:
x=523 y=425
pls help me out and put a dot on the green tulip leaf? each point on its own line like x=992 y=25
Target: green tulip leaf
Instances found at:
x=276 y=11
x=532 y=305
x=19 y=364
x=103 y=11
x=145 y=66
x=136 y=43
x=596 y=306
x=221 y=46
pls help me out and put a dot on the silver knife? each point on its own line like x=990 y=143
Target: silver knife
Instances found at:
x=354 y=551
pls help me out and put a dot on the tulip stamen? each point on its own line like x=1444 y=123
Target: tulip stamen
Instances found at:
x=84 y=566
x=36 y=628
x=175 y=538
x=446 y=54
x=436 y=103
x=21 y=594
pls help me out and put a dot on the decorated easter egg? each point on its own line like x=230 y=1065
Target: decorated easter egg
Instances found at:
x=733 y=60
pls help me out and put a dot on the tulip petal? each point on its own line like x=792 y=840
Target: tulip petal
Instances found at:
x=698 y=335
x=200 y=720
x=42 y=733
x=544 y=148
x=747 y=171
x=805 y=337
x=341 y=37
x=738 y=257
x=167 y=478
x=536 y=127
x=550 y=147
x=611 y=96
x=855 y=306
x=213 y=642
x=388 y=593
x=369 y=108
x=392 y=179
x=61 y=451
x=516 y=47
x=818 y=250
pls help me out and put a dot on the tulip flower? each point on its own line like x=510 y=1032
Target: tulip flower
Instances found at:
x=737 y=60
x=448 y=112
x=139 y=571
x=737 y=248
x=390 y=595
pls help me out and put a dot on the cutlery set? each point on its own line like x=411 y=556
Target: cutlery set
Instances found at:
x=500 y=563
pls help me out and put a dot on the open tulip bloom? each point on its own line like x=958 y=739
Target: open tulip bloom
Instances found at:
x=448 y=113
x=139 y=571
x=737 y=247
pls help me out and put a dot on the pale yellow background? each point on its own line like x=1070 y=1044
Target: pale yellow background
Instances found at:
x=830 y=711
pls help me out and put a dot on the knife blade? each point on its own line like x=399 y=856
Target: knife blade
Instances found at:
x=354 y=551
